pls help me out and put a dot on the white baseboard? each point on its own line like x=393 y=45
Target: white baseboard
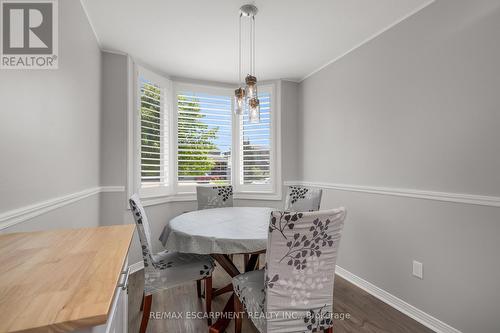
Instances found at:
x=15 y=216
x=424 y=318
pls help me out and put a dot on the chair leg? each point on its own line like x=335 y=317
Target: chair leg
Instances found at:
x=142 y=301
x=238 y=311
x=329 y=330
x=198 y=288
x=145 y=315
x=208 y=298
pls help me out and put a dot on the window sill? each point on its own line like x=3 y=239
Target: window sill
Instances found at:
x=257 y=196
x=158 y=200
x=185 y=197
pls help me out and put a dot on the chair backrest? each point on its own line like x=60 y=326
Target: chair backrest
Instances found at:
x=214 y=196
x=300 y=269
x=143 y=230
x=303 y=199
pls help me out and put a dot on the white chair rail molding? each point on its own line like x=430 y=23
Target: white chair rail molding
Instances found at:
x=249 y=166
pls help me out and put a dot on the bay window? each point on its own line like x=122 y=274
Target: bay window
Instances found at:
x=187 y=135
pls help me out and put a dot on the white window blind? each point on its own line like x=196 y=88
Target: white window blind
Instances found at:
x=256 y=146
x=204 y=138
x=153 y=132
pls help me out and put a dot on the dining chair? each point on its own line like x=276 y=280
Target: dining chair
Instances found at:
x=294 y=291
x=303 y=199
x=167 y=269
x=214 y=196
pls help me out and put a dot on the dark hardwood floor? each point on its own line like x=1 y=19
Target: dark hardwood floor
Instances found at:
x=367 y=314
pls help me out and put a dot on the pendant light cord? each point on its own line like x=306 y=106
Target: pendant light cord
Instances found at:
x=252 y=53
x=253 y=48
x=239 y=53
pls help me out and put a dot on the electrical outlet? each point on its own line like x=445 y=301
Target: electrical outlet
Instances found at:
x=418 y=269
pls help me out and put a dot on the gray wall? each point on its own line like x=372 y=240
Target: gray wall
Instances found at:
x=50 y=127
x=290 y=138
x=84 y=213
x=114 y=119
x=419 y=108
x=114 y=126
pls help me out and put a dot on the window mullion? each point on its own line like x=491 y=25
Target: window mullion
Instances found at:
x=236 y=150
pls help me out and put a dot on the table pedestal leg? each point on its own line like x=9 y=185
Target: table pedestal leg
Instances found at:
x=223 y=290
x=226 y=263
x=221 y=324
x=252 y=263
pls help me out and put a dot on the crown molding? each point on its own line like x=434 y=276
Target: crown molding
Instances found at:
x=375 y=35
x=84 y=7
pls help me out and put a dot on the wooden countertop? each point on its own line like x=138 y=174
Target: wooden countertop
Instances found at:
x=61 y=280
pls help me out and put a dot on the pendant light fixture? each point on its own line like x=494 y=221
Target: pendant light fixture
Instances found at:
x=248 y=97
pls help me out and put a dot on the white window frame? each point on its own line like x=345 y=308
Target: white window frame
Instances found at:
x=166 y=84
x=175 y=192
x=189 y=190
x=270 y=191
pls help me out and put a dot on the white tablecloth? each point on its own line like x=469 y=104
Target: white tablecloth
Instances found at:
x=219 y=230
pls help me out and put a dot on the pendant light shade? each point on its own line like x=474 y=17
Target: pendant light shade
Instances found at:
x=254 y=110
x=239 y=101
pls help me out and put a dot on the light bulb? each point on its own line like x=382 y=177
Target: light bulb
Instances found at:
x=251 y=87
x=239 y=101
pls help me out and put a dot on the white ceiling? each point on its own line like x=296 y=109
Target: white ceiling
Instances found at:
x=198 y=38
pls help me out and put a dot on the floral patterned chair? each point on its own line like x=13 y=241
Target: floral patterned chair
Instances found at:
x=167 y=269
x=303 y=199
x=214 y=196
x=295 y=289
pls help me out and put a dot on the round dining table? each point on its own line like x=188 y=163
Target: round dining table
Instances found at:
x=221 y=232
